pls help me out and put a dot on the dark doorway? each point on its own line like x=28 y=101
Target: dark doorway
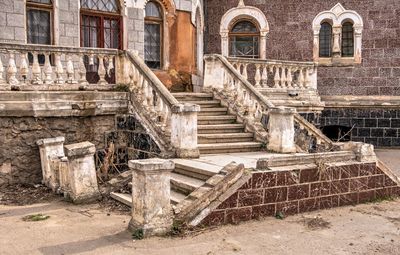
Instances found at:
x=337 y=133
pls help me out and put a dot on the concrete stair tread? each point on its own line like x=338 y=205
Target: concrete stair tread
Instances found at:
x=214 y=109
x=226 y=135
x=203 y=102
x=223 y=117
x=220 y=126
x=230 y=145
x=123 y=198
x=191 y=94
x=177 y=197
x=205 y=168
x=186 y=182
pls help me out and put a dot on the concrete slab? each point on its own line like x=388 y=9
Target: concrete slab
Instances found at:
x=391 y=157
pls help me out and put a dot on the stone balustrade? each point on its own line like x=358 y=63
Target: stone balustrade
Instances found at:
x=277 y=74
x=51 y=65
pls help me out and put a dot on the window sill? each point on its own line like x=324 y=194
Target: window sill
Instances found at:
x=337 y=61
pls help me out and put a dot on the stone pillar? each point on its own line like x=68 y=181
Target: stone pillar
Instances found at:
x=50 y=149
x=184 y=130
x=82 y=172
x=151 y=194
x=281 y=130
x=213 y=73
x=336 y=49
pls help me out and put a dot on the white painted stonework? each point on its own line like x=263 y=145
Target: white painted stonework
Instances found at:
x=50 y=149
x=151 y=194
x=281 y=130
x=336 y=17
x=243 y=12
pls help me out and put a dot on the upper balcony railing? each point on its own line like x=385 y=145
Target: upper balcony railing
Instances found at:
x=277 y=74
x=24 y=65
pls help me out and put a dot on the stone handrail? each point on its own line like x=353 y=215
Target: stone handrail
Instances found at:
x=222 y=76
x=62 y=65
x=278 y=74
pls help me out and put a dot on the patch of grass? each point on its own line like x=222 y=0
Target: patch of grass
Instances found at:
x=35 y=217
x=138 y=234
x=177 y=228
x=381 y=199
x=279 y=215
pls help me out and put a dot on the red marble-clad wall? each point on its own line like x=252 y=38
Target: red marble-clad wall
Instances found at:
x=291 y=38
x=298 y=191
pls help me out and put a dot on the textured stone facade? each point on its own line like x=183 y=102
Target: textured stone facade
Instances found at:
x=298 y=191
x=12 y=21
x=380 y=127
x=291 y=38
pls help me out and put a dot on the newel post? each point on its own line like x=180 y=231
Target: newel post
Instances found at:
x=184 y=130
x=151 y=194
x=281 y=130
x=213 y=73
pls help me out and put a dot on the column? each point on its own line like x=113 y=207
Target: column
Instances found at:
x=184 y=130
x=281 y=130
x=82 y=172
x=151 y=194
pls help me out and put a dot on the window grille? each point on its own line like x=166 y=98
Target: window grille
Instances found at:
x=153 y=35
x=244 y=40
x=325 y=40
x=347 y=40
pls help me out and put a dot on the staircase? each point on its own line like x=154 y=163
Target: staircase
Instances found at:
x=218 y=131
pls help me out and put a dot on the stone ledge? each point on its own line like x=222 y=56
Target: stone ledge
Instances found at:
x=79 y=149
x=361 y=101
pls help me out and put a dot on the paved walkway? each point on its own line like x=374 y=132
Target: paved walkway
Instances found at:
x=391 y=157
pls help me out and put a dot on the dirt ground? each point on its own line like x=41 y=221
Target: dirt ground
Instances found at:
x=364 y=229
x=101 y=229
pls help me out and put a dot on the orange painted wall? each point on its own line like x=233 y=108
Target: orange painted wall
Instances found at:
x=182 y=46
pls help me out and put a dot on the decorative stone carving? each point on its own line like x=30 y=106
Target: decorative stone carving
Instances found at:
x=151 y=206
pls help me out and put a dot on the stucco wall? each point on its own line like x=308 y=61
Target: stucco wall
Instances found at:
x=291 y=38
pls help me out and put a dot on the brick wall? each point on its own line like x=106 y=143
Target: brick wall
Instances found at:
x=291 y=38
x=299 y=191
x=380 y=127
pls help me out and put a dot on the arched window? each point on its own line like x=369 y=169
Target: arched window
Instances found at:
x=244 y=40
x=347 y=40
x=325 y=40
x=39 y=21
x=153 y=35
x=101 y=25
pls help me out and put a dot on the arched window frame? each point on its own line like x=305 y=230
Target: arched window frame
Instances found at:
x=329 y=39
x=254 y=35
x=244 y=12
x=337 y=16
x=102 y=15
x=347 y=39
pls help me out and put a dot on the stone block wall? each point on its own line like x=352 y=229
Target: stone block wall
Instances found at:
x=379 y=126
x=69 y=29
x=12 y=21
x=298 y=191
x=135 y=30
x=291 y=38
x=19 y=154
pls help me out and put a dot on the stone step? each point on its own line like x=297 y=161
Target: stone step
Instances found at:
x=176 y=197
x=196 y=169
x=184 y=184
x=215 y=120
x=193 y=96
x=225 y=138
x=218 y=148
x=213 y=111
x=123 y=198
x=204 y=103
x=221 y=128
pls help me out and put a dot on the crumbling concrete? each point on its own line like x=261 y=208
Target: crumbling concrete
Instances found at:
x=281 y=130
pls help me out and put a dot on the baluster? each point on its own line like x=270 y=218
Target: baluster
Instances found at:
x=277 y=77
x=1 y=71
x=245 y=75
x=239 y=67
x=132 y=77
x=150 y=100
x=59 y=70
x=301 y=78
x=70 y=71
x=164 y=116
x=257 y=77
x=12 y=71
x=231 y=84
x=159 y=110
x=48 y=70
x=102 y=71
x=264 y=77
x=36 y=70
x=289 y=77
x=24 y=67
x=226 y=81
x=307 y=80
x=144 y=91
x=283 y=77
x=110 y=65
x=82 y=70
